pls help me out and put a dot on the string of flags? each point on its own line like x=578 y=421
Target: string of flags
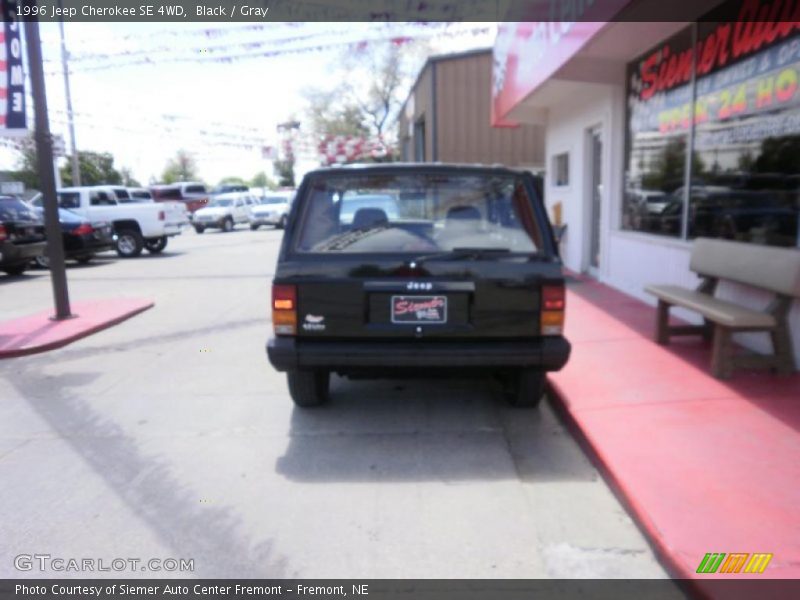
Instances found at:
x=341 y=149
x=257 y=49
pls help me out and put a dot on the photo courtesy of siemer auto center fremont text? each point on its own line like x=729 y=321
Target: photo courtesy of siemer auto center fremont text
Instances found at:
x=400 y=300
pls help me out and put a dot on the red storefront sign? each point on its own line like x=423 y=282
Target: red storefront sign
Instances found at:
x=527 y=54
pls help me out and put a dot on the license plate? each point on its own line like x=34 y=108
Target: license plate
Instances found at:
x=419 y=309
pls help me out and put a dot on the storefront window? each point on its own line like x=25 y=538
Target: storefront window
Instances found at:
x=743 y=182
x=746 y=184
x=658 y=107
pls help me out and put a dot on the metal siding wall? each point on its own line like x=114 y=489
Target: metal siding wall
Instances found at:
x=465 y=134
x=422 y=106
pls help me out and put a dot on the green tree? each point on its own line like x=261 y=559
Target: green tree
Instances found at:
x=182 y=167
x=262 y=180
x=96 y=168
x=128 y=179
x=28 y=170
x=284 y=170
x=779 y=155
x=668 y=170
x=329 y=116
x=367 y=103
x=232 y=179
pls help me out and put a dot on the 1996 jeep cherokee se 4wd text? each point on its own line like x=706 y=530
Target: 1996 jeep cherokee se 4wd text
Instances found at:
x=438 y=268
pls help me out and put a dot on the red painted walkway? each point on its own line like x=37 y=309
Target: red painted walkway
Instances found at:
x=705 y=465
x=38 y=333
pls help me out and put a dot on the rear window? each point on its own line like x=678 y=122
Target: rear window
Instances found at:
x=411 y=213
x=12 y=209
x=195 y=189
x=141 y=195
x=171 y=193
x=122 y=194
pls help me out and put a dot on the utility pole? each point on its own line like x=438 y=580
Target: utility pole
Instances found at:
x=44 y=154
x=76 y=172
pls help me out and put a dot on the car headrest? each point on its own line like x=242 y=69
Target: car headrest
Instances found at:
x=463 y=213
x=367 y=218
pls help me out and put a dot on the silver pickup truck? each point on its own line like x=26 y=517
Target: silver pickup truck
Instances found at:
x=136 y=225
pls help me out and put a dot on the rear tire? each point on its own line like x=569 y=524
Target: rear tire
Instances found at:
x=156 y=245
x=199 y=228
x=308 y=388
x=85 y=260
x=254 y=226
x=130 y=243
x=527 y=388
x=282 y=223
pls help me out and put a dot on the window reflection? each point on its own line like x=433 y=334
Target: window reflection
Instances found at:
x=741 y=116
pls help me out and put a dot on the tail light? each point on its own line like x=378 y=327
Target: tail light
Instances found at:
x=552 y=313
x=284 y=309
x=83 y=229
x=3 y=234
x=162 y=215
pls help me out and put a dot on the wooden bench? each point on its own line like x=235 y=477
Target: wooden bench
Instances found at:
x=776 y=270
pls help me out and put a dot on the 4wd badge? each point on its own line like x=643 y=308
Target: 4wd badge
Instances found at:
x=314 y=323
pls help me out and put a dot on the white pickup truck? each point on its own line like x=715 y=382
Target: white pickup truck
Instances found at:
x=136 y=225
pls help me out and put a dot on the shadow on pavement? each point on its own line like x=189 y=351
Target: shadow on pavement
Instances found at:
x=428 y=429
x=213 y=536
x=28 y=275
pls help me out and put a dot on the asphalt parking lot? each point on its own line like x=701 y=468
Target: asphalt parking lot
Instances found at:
x=170 y=435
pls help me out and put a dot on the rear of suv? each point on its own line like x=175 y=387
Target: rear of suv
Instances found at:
x=408 y=269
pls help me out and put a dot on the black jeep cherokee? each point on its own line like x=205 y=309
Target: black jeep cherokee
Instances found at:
x=406 y=268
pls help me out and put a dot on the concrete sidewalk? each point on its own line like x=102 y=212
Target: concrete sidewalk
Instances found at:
x=39 y=333
x=706 y=466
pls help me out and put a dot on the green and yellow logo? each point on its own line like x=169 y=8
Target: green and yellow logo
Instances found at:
x=741 y=562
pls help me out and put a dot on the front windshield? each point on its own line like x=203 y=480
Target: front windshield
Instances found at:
x=222 y=202
x=408 y=213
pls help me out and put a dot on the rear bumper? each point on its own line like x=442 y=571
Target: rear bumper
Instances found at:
x=173 y=229
x=265 y=219
x=287 y=353
x=14 y=254
x=87 y=248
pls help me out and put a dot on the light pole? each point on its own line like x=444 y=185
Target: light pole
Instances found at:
x=76 y=172
x=47 y=180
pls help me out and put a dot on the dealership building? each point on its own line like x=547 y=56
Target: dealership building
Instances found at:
x=660 y=132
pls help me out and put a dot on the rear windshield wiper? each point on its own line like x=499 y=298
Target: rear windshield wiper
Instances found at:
x=348 y=238
x=463 y=254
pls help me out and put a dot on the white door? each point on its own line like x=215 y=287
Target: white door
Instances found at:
x=595 y=198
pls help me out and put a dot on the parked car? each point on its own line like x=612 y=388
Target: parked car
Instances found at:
x=224 y=212
x=136 y=225
x=464 y=274
x=22 y=235
x=192 y=193
x=139 y=194
x=272 y=209
x=227 y=188
x=82 y=239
